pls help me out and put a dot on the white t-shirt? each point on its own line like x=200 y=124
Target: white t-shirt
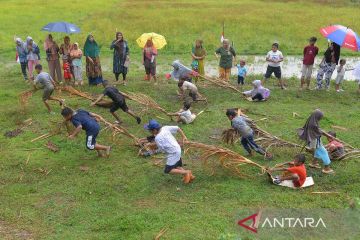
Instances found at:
x=167 y=143
x=341 y=71
x=189 y=86
x=276 y=56
x=188 y=116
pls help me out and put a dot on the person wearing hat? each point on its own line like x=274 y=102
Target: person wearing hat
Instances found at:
x=310 y=52
x=22 y=56
x=167 y=143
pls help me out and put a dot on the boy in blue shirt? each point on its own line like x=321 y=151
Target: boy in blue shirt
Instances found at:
x=82 y=119
x=242 y=70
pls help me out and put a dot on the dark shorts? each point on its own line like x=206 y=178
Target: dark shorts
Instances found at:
x=241 y=80
x=150 y=67
x=193 y=96
x=168 y=168
x=91 y=140
x=47 y=93
x=270 y=70
x=116 y=106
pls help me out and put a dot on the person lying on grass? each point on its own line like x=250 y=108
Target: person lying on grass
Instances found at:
x=258 y=93
x=118 y=102
x=193 y=90
x=45 y=81
x=296 y=172
x=184 y=115
x=311 y=134
x=240 y=124
x=82 y=119
x=334 y=148
x=166 y=142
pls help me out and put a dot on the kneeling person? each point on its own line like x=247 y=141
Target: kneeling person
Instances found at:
x=82 y=119
x=118 y=102
x=166 y=143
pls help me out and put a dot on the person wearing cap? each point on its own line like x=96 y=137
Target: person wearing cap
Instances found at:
x=274 y=57
x=21 y=56
x=167 y=143
x=118 y=102
x=310 y=52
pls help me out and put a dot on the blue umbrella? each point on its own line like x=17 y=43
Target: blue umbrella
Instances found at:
x=61 y=27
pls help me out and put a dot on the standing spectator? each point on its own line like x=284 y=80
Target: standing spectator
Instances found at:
x=65 y=49
x=93 y=66
x=328 y=65
x=21 y=55
x=52 y=56
x=76 y=55
x=227 y=57
x=33 y=55
x=274 y=57
x=149 y=60
x=198 y=54
x=242 y=71
x=310 y=52
x=121 y=57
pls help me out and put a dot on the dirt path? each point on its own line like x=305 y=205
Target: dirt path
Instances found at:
x=10 y=232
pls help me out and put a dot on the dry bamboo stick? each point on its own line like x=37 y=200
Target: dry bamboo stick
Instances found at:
x=46 y=135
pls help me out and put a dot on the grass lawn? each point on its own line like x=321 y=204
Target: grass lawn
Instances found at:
x=128 y=197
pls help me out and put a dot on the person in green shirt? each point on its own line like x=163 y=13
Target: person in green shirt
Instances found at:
x=227 y=56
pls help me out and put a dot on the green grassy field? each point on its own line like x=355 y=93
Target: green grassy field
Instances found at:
x=128 y=197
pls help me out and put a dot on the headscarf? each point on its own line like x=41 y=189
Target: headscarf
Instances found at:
x=228 y=42
x=311 y=129
x=28 y=39
x=91 y=49
x=199 y=51
x=180 y=71
x=18 y=40
x=48 y=43
x=75 y=52
x=120 y=46
x=258 y=88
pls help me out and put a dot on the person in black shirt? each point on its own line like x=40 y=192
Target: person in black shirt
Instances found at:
x=118 y=102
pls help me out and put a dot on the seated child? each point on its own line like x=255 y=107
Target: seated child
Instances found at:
x=296 y=172
x=258 y=92
x=184 y=115
x=166 y=143
x=82 y=119
x=334 y=148
x=240 y=124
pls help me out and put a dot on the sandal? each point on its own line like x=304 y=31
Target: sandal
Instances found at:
x=327 y=171
x=317 y=166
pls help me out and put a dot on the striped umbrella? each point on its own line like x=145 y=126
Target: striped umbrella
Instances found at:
x=343 y=36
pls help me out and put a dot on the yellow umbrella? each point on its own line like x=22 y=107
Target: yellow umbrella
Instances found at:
x=158 y=40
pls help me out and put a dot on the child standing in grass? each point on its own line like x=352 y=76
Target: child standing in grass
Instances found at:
x=311 y=134
x=296 y=172
x=166 y=142
x=48 y=84
x=310 y=52
x=242 y=71
x=184 y=115
x=118 y=102
x=335 y=149
x=340 y=75
x=274 y=57
x=82 y=119
x=240 y=124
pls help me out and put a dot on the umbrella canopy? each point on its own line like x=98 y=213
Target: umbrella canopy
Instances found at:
x=61 y=27
x=158 y=40
x=343 y=36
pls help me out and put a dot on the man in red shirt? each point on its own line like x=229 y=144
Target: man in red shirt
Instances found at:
x=310 y=52
x=296 y=173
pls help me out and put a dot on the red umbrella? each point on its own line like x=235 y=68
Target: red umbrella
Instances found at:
x=343 y=36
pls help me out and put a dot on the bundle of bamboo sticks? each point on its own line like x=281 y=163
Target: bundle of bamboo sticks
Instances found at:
x=25 y=96
x=146 y=101
x=227 y=158
x=220 y=83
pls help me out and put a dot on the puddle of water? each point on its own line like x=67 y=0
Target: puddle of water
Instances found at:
x=291 y=67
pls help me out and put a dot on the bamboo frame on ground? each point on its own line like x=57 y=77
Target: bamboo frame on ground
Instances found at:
x=227 y=158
